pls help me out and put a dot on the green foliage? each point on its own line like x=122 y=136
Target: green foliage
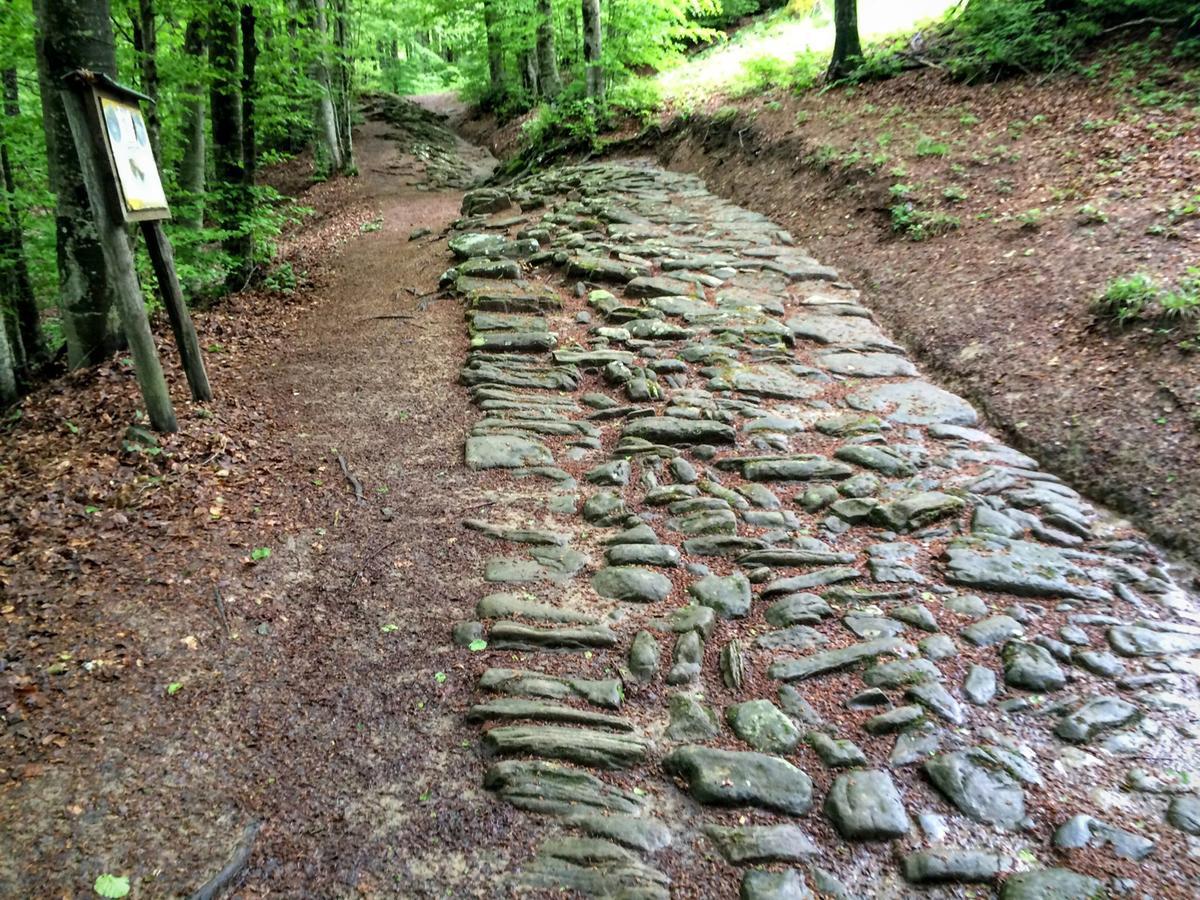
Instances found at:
x=1125 y=298
x=927 y=146
x=918 y=224
x=111 y=886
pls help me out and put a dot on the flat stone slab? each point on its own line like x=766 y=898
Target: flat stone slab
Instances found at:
x=515 y=636
x=835 y=660
x=914 y=403
x=556 y=789
x=1022 y=568
x=515 y=709
x=586 y=746
x=864 y=805
x=867 y=365
x=979 y=786
x=761 y=725
x=1138 y=640
x=673 y=430
x=1052 y=884
x=849 y=331
x=606 y=692
x=728 y=596
x=762 y=844
x=946 y=864
x=631 y=584
x=506 y=451
x=734 y=778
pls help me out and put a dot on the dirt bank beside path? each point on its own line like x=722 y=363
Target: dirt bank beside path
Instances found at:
x=168 y=683
x=999 y=307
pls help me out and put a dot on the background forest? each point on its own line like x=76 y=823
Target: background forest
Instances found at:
x=240 y=86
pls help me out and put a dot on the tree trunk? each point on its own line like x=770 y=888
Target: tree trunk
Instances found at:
x=249 y=96
x=148 y=28
x=529 y=73
x=495 y=50
x=548 y=77
x=73 y=34
x=191 y=175
x=344 y=94
x=8 y=378
x=594 y=71
x=847 y=49
x=230 y=202
x=16 y=280
x=329 y=147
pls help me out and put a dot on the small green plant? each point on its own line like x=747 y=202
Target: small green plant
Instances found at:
x=919 y=224
x=111 y=886
x=258 y=554
x=1125 y=298
x=282 y=278
x=1031 y=219
x=954 y=193
x=1090 y=215
x=927 y=146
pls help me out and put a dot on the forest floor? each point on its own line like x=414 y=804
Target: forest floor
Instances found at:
x=167 y=683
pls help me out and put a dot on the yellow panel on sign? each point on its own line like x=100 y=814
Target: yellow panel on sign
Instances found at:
x=129 y=144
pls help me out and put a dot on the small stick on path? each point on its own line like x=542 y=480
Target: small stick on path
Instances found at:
x=224 y=879
x=354 y=482
x=220 y=601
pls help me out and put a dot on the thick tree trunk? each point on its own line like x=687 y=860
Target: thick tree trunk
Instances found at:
x=147 y=22
x=529 y=73
x=16 y=281
x=495 y=50
x=593 y=71
x=249 y=95
x=191 y=175
x=329 y=147
x=847 y=49
x=548 y=77
x=74 y=34
x=229 y=206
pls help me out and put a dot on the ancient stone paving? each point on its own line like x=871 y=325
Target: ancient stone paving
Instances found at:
x=770 y=613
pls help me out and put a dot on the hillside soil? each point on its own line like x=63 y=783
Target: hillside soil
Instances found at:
x=1056 y=185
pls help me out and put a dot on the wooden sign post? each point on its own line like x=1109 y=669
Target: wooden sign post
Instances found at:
x=123 y=186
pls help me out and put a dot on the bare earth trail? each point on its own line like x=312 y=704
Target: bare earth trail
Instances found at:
x=672 y=577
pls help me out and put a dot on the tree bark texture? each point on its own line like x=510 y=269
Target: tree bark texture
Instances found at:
x=328 y=145
x=230 y=202
x=73 y=34
x=548 y=77
x=191 y=175
x=594 y=71
x=30 y=349
x=847 y=48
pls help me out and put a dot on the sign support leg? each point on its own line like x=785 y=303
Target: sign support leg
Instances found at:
x=163 y=259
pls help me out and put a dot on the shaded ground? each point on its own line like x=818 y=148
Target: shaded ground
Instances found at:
x=307 y=698
x=1056 y=187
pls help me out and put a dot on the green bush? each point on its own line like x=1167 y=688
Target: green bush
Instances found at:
x=918 y=224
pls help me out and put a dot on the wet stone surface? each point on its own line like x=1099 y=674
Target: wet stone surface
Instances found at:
x=763 y=612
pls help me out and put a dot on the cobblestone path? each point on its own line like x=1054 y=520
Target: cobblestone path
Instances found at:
x=770 y=613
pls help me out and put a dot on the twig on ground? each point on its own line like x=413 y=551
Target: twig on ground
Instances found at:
x=224 y=879
x=354 y=482
x=1148 y=20
x=220 y=602
x=393 y=316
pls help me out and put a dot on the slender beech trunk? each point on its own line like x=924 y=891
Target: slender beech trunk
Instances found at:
x=230 y=202
x=147 y=21
x=8 y=378
x=30 y=347
x=344 y=87
x=249 y=95
x=191 y=175
x=73 y=34
x=594 y=71
x=329 y=147
x=548 y=77
x=495 y=50
x=847 y=49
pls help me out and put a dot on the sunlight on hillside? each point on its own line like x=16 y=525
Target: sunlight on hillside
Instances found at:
x=782 y=36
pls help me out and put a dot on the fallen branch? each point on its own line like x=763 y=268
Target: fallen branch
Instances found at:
x=217 y=885
x=1148 y=20
x=354 y=482
x=392 y=316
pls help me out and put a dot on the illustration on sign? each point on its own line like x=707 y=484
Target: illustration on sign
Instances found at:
x=129 y=143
